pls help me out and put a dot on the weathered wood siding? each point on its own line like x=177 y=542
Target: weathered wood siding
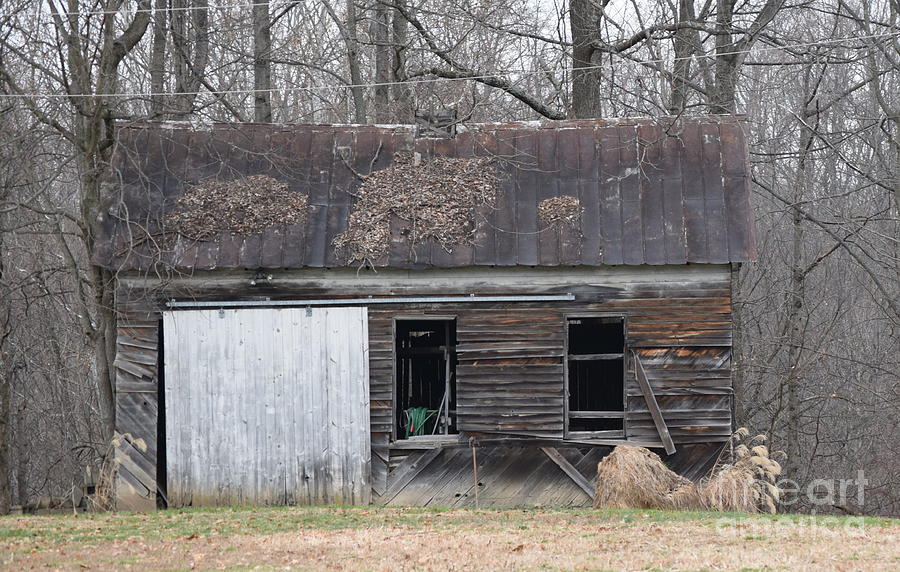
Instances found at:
x=510 y=373
x=267 y=406
x=137 y=407
x=508 y=477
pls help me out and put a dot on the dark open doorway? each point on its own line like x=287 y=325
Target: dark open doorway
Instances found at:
x=596 y=374
x=425 y=392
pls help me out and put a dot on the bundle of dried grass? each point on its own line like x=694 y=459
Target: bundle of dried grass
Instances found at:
x=241 y=207
x=560 y=210
x=104 y=499
x=746 y=484
x=634 y=477
x=438 y=197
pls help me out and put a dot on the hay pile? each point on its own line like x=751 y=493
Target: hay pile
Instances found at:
x=633 y=477
x=560 y=210
x=438 y=197
x=241 y=207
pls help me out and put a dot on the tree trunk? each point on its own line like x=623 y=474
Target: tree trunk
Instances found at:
x=796 y=299
x=379 y=30
x=21 y=458
x=158 y=57
x=583 y=17
x=723 y=95
x=189 y=59
x=352 y=41
x=403 y=106
x=5 y=433
x=262 y=69
x=684 y=48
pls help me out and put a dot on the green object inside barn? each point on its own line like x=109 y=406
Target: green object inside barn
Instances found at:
x=416 y=418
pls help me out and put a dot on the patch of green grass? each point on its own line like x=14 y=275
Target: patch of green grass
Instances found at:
x=34 y=533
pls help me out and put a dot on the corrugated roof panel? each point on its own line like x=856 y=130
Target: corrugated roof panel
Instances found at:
x=658 y=191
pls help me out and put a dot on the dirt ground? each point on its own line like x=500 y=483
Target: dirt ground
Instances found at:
x=421 y=539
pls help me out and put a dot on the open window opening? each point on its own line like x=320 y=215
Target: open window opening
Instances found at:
x=425 y=392
x=596 y=374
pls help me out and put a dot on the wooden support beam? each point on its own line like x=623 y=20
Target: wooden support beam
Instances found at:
x=569 y=470
x=652 y=405
x=406 y=472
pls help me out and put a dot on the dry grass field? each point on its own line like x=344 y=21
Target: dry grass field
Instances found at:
x=365 y=538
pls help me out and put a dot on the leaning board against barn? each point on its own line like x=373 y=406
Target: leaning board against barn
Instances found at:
x=356 y=314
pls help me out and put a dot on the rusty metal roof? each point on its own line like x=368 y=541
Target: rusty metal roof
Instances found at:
x=654 y=191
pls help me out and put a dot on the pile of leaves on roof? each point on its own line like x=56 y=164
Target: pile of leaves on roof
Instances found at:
x=438 y=197
x=560 y=210
x=243 y=207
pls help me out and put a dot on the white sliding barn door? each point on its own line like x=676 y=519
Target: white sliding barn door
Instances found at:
x=267 y=406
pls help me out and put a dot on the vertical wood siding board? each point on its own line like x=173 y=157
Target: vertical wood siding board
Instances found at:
x=485 y=252
x=239 y=441
x=175 y=403
x=218 y=386
x=259 y=374
x=304 y=407
x=714 y=199
x=505 y=215
x=282 y=363
x=346 y=455
x=170 y=441
x=650 y=141
x=180 y=398
x=289 y=402
x=362 y=420
x=223 y=398
x=324 y=482
x=607 y=227
x=526 y=200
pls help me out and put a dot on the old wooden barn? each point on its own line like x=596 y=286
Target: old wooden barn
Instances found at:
x=350 y=314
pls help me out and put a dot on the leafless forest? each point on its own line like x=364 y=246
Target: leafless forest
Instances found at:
x=819 y=81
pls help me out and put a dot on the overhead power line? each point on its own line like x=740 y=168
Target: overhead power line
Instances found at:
x=482 y=76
